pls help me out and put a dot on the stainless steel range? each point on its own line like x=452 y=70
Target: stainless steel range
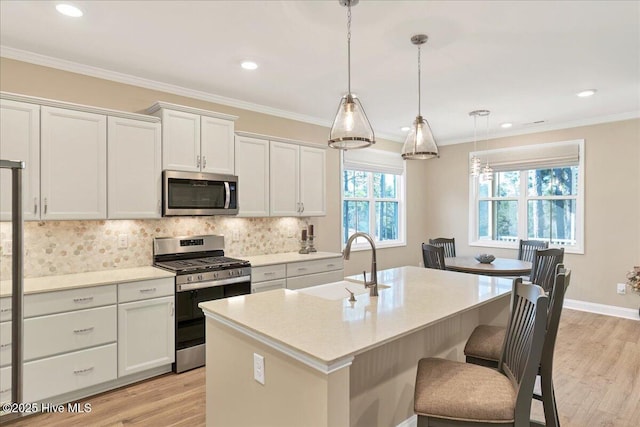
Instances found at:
x=203 y=273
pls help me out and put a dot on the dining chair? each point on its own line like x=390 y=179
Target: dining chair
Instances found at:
x=450 y=393
x=484 y=346
x=528 y=248
x=544 y=267
x=449 y=245
x=433 y=256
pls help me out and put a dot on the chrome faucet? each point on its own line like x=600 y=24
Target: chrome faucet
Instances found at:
x=373 y=283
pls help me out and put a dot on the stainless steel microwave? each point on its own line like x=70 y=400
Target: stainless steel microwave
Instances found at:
x=198 y=193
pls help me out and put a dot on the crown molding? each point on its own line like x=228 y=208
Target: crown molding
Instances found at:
x=75 y=67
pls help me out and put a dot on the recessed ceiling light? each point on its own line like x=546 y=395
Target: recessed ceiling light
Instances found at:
x=586 y=93
x=249 y=65
x=506 y=125
x=69 y=10
x=405 y=128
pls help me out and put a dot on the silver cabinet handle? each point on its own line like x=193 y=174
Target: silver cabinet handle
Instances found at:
x=83 y=371
x=5 y=310
x=3 y=346
x=147 y=290
x=227 y=195
x=46 y=204
x=35 y=205
x=171 y=310
x=4 y=390
x=331 y=265
x=269 y=273
x=204 y=162
x=302 y=268
x=80 y=331
x=198 y=160
x=302 y=206
x=85 y=299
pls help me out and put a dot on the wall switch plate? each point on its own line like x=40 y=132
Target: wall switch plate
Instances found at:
x=622 y=288
x=7 y=247
x=123 y=241
x=258 y=368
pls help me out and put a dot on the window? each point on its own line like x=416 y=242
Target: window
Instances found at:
x=373 y=197
x=536 y=194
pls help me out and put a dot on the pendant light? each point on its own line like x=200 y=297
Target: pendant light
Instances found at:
x=487 y=171
x=419 y=144
x=475 y=167
x=351 y=128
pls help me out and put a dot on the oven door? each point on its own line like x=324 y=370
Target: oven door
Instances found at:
x=194 y=193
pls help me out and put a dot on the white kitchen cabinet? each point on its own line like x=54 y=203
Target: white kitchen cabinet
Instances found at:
x=297 y=274
x=134 y=169
x=146 y=334
x=195 y=140
x=268 y=277
x=73 y=164
x=297 y=180
x=252 y=168
x=20 y=140
x=5 y=343
x=5 y=384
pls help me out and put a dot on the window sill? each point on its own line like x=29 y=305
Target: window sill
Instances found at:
x=506 y=245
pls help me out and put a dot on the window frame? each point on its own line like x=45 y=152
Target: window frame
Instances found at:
x=523 y=198
x=361 y=244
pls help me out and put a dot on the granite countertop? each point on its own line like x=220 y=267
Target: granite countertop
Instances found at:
x=81 y=280
x=322 y=324
x=262 y=260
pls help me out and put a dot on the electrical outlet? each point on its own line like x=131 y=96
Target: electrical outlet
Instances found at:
x=622 y=288
x=258 y=368
x=123 y=241
x=7 y=248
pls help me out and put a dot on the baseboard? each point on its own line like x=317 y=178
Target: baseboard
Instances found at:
x=409 y=422
x=609 y=310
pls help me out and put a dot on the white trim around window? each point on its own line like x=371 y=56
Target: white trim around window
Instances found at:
x=524 y=158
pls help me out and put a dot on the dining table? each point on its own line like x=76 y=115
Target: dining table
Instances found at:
x=498 y=267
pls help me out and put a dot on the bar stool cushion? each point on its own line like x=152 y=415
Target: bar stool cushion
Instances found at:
x=463 y=392
x=485 y=342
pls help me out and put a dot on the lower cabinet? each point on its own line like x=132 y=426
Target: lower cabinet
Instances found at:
x=146 y=335
x=297 y=275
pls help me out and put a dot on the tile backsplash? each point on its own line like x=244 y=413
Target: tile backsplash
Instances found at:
x=64 y=247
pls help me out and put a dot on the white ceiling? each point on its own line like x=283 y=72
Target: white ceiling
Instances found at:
x=523 y=60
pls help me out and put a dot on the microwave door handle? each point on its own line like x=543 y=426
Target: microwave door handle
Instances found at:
x=227 y=192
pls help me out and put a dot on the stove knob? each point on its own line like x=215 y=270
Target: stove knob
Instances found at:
x=189 y=279
x=199 y=276
x=215 y=275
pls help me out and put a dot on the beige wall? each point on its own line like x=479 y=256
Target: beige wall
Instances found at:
x=437 y=190
x=612 y=205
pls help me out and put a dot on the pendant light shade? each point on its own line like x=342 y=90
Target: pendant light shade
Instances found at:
x=351 y=128
x=420 y=144
x=475 y=166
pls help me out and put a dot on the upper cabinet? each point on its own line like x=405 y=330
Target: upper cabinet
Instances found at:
x=134 y=156
x=73 y=164
x=20 y=140
x=252 y=168
x=195 y=140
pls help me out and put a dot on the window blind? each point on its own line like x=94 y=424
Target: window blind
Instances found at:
x=371 y=160
x=539 y=156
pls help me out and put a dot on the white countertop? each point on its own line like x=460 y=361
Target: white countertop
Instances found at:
x=81 y=280
x=330 y=330
x=262 y=260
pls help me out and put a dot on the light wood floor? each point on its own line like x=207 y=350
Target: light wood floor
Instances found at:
x=597 y=380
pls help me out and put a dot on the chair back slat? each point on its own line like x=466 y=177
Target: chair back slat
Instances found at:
x=528 y=248
x=544 y=267
x=433 y=256
x=556 y=301
x=449 y=245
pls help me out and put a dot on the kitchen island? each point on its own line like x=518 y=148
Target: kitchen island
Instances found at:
x=332 y=362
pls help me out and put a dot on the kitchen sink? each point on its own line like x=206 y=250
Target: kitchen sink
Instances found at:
x=336 y=290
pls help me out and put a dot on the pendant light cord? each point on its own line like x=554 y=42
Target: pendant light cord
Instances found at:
x=475 y=139
x=349 y=47
x=419 y=72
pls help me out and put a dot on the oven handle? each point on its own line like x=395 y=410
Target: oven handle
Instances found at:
x=227 y=194
x=212 y=283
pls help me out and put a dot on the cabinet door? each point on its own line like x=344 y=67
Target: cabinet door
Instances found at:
x=20 y=140
x=134 y=169
x=284 y=179
x=146 y=334
x=312 y=181
x=252 y=168
x=216 y=145
x=73 y=164
x=180 y=141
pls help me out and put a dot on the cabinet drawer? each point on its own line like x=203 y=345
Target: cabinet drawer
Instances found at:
x=315 y=279
x=5 y=343
x=315 y=266
x=268 y=285
x=268 y=272
x=5 y=384
x=146 y=289
x=60 y=333
x=72 y=371
x=5 y=309
x=73 y=299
